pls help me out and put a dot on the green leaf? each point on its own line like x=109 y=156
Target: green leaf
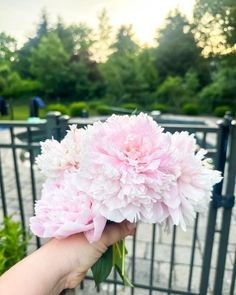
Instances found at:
x=102 y=268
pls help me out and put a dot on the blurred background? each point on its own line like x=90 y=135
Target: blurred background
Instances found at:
x=97 y=57
x=174 y=59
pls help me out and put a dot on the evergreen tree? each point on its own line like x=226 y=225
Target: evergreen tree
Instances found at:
x=48 y=65
x=122 y=72
x=102 y=46
x=177 y=51
x=22 y=65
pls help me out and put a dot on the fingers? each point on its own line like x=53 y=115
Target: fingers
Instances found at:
x=116 y=232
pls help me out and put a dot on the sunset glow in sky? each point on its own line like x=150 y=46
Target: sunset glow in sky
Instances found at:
x=19 y=18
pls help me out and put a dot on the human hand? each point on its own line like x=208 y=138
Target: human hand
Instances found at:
x=60 y=264
x=76 y=255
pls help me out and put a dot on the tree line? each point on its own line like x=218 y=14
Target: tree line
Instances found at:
x=192 y=63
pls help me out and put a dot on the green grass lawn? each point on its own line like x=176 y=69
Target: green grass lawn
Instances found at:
x=20 y=112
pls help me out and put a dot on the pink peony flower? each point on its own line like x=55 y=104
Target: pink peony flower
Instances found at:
x=126 y=168
x=58 y=157
x=194 y=183
x=63 y=210
x=134 y=171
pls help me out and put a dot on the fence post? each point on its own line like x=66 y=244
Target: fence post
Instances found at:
x=227 y=204
x=52 y=125
x=63 y=125
x=222 y=142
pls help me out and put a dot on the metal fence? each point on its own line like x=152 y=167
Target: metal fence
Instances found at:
x=199 y=261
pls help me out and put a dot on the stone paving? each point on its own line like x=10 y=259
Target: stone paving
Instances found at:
x=163 y=245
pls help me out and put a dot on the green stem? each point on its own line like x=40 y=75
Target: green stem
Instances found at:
x=118 y=249
x=123 y=258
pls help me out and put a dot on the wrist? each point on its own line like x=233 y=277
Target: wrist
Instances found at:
x=54 y=261
x=67 y=271
x=40 y=273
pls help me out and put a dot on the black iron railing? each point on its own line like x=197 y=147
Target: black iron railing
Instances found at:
x=178 y=263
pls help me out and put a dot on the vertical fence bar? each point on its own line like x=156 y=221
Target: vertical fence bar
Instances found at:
x=233 y=276
x=152 y=258
x=193 y=253
x=114 y=282
x=17 y=177
x=82 y=285
x=222 y=142
x=3 y=197
x=172 y=260
x=133 y=263
x=203 y=145
x=209 y=240
x=32 y=176
x=228 y=203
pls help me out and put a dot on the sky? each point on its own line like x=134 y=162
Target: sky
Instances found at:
x=18 y=18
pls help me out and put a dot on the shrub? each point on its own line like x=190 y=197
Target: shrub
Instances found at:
x=159 y=107
x=57 y=107
x=171 y=91
x=221 y=110
x=191 y=109
x=79 y=109
x=130 y=106
x=104 y=109
x=13 y=244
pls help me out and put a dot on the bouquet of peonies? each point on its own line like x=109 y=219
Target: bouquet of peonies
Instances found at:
x=126 y=168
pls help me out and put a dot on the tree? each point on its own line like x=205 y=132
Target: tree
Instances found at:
x=102 y=47
x=76 y=39
x=191 y=85
x=83 y=38
x=22 y=64
x=219 y=15
x=125 y=43
x=123 y=75
x=147 y=68
x=221 y=91
x=48 y=65
x=12 y=86
x=67 y=71
x=177 y=51
x=66 y=36
x=85 y=79
x=124 y=82
x=7 y=48
x=171 y=92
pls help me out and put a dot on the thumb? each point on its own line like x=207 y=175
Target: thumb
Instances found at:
x=117 y=231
